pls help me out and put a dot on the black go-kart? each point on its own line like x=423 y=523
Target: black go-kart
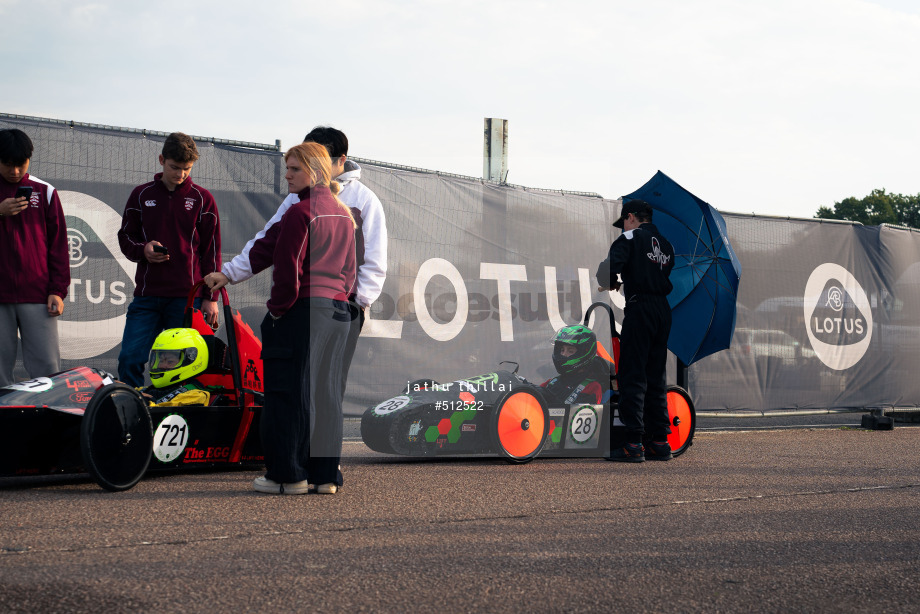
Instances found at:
x=83 y=420
x=502 y=413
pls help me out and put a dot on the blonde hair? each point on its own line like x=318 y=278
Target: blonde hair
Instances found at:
x=315 y=159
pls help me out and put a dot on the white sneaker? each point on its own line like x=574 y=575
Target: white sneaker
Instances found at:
x=327 y=489
x=263 y=484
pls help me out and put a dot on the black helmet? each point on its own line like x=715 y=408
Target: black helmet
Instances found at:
x=582 y=339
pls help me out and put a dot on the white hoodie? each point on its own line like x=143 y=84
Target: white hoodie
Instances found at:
x=368 y=213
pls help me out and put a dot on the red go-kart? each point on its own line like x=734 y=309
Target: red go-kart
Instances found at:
x=83 y=419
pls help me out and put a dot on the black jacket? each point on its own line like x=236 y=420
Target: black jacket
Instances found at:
x=644 y=258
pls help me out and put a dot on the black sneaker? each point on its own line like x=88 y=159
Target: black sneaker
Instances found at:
x=629 y=453
x=658 y=450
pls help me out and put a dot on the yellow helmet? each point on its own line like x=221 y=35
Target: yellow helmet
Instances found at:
x=177 y=355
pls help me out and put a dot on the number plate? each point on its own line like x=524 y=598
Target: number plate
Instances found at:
x=39 y=384
x=170 y=438
x=583 y=428
x=391 y=405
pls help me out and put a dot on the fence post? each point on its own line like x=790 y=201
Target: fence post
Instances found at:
x=279 y=168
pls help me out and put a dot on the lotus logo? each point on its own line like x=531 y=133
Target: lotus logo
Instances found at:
x=838 y=316
x=75 y=242
x=94 y=323
x=835 y=298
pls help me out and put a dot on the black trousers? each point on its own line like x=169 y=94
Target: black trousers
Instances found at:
x=351 y=343
x=303 y=356
x=642 y=377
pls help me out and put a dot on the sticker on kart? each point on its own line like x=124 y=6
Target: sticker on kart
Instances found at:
x=39 y=384
x=170 y=438
x=391 y=405
x=583 y=426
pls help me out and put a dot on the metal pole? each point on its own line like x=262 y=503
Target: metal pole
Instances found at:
x=495 y=150
x=279 y=168
x=682 y=375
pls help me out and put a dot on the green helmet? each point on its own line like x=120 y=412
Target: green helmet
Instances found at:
x=582 y=340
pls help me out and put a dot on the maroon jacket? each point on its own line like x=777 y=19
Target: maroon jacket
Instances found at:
x=185 y=221
x=34 y=257
x=312 y=249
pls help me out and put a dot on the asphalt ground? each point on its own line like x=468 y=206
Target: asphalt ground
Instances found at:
x=823 y=519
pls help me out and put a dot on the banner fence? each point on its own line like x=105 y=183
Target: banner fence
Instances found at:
x=478 y=273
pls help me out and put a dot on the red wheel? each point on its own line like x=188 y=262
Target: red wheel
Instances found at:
x=682 y=417
x=520 y=425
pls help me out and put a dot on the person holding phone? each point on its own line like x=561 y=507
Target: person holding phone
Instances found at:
x=171 y=229
x=34 y=262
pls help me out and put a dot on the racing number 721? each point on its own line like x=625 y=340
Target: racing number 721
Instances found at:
x=177 y=431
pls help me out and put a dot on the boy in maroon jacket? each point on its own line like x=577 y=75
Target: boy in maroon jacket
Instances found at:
x=171 y=229
x=34 y=262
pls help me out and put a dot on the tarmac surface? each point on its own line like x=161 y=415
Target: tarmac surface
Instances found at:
x=823 y=519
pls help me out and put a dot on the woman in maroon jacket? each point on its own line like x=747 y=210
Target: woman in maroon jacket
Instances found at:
x=312 y=250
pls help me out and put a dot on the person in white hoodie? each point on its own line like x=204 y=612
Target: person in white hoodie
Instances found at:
x=370 y=236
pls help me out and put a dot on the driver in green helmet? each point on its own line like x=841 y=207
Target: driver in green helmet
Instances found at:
x=583 y=376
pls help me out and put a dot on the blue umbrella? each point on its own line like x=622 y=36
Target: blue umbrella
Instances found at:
x=706 y=270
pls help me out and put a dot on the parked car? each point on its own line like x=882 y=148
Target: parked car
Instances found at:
x=764 y=345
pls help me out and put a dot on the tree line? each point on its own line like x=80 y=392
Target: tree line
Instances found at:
x=879 y=207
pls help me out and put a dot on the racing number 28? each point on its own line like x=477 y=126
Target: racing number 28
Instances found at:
x=583 y=426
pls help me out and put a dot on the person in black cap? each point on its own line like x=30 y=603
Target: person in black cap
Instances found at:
x=644 y=259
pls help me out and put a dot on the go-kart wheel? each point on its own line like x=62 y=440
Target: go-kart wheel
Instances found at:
x=520 y=423
x=116 y=437
x=682 y=417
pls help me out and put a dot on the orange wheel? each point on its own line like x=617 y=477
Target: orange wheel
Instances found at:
x=520 y=425
x=682 y=417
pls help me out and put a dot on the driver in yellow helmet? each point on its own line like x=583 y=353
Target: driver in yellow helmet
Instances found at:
x=177 y=356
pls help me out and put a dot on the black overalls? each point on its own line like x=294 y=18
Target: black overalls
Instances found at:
x=644 y=259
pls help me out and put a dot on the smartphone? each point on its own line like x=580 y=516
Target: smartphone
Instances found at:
x=24 y=191
x=160 y=249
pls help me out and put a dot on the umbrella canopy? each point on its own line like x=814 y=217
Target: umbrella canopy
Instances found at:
x=706 y=270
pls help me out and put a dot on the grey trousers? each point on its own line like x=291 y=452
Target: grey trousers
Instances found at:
x=41 y=352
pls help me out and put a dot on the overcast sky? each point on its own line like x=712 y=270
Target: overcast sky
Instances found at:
x=770 y=107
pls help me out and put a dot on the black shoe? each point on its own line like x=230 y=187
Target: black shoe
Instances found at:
x=658 y=450
x=629 y=453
